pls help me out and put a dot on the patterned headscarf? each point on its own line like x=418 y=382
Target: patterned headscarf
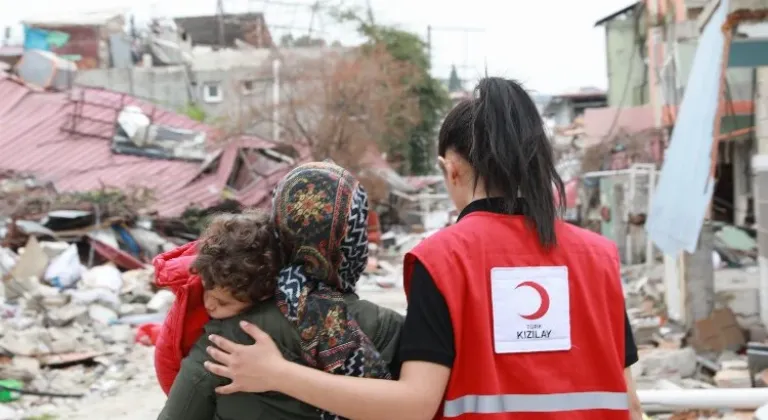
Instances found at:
x=323 y=211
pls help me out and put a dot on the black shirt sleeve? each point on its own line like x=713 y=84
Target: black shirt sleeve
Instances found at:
x=630 y=348
x=428 y=332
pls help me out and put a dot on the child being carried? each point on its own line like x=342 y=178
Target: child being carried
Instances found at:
x=234 y=264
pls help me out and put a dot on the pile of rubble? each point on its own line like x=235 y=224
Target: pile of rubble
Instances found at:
x=78 y=306
x=75 y=285
x=67 y=330
x=726 y=352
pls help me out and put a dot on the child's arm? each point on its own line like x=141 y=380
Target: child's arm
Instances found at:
x=192 y=396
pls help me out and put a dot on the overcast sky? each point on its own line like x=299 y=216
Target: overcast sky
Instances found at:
x=550 y=45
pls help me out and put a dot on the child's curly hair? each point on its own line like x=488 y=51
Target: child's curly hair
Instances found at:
x=241 y=253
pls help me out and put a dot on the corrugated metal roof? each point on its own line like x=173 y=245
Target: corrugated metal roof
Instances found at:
x=33 y=141
x=685 y=184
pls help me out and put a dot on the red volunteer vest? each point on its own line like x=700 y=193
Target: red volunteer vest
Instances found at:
x=556 y=350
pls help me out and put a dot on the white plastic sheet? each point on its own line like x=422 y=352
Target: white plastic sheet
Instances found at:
x=65 y=270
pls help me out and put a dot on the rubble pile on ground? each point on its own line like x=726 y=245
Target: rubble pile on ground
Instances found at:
x=75 y=288
x=78 y=334
x=725 y=351
x=78 y=307
x=67 y=330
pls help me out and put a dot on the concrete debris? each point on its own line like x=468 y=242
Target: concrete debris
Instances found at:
x=725 y=352
x=762 y=413
x=161 y=301
x=60 y=329
x=666 y=364
x=733 y=378
x=77 y=289
x=70 y=324
x=8 y=413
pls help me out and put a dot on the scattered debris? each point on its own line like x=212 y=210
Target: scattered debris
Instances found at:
x=724 y=353
x=78 y=308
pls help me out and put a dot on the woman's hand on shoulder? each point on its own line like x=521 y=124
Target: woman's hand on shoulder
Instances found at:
x=252 y=368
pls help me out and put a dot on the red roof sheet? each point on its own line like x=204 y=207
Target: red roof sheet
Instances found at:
x=598 y=121
x=33 y=138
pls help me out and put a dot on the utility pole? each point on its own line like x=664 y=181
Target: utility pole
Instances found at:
x=429 y=44
x=465 y=30
x=220 y=21
x=315 y=7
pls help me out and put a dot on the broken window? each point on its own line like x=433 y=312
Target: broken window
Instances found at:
x=248 y=86
x=212 y=92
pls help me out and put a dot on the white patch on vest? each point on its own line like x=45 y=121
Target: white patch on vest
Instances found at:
x=531 y=309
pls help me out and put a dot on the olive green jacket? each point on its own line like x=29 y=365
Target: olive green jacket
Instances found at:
x=192 y=396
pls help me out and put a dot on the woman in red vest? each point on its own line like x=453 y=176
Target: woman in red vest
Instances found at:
x=513 y=314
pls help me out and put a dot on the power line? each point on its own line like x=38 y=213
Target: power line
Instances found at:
x=283 y=3
x=456 y=29
x=315 y=9
x=465 y=30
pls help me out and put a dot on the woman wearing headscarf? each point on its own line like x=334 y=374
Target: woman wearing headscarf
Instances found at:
x=512 y=313
x=320 y=212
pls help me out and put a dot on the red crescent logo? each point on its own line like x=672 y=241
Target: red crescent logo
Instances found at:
x=544 y=307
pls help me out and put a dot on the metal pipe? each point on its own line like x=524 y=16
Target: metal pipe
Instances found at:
x=649 y=260
x=715 y=398
x=637 y=166
x=598 y=174
x=628 y=211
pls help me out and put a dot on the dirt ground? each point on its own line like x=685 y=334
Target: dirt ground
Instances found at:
x=140 y=398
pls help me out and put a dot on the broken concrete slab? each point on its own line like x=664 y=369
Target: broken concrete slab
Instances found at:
x=662 y=363
x=102 y=314
x=29 y=269
x=20 y=368
x=65 y=315
x=733 y=378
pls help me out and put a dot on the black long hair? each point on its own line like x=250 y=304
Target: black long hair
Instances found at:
x=502 y=136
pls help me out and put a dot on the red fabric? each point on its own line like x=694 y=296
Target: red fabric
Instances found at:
x=186 y=318
x=147 y=334
x=374 y=228
x=460 y=259
x=571 y=194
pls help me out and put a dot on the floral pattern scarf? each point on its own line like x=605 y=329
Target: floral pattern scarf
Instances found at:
x=323 y=211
